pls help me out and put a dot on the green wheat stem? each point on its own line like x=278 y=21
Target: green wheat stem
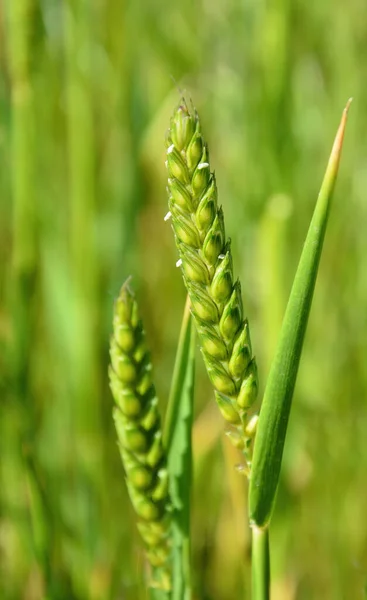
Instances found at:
x=206 y=258
x=260 y=564
x=177 y=377
x=273 y=421
x=177 y=437
x=138 y=427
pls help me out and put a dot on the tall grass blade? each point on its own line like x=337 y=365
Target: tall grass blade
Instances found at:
x=32 y=521
x=178 y=444
x=272 y=426
x=83 y=264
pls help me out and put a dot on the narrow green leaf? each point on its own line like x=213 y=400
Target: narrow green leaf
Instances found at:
x=178 y=444
x=272 y=426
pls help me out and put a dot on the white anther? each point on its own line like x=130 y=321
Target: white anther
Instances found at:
x=244 y=469
x=221 y=256
x=179 y=262
x=170 y=149
x=203 y=165
x=168 y=216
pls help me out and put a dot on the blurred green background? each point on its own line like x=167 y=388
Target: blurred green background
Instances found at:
x=86 y=91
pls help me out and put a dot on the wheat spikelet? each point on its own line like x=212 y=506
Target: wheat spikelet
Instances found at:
x=206 y=261
x=139 y=432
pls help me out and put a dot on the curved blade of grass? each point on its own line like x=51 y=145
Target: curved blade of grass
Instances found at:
x=177 y=438
x=276 y=405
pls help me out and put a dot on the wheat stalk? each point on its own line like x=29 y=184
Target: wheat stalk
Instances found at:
x=206 y=260
x=139 y=433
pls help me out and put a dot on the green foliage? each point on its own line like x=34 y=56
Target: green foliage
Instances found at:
x=177 y=437
x=275 y=409
x=85 y=94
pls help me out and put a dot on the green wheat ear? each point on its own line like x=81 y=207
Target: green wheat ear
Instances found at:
x=206 y=259
x=138 y=427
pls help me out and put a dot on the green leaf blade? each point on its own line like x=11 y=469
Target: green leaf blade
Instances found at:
x=178 y=444
x=274 y=415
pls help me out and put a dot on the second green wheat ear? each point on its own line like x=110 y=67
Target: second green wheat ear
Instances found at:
x=206 y=259
x=139 y=433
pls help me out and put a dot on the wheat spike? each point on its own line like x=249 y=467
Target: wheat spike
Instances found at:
x=207 y=269
x=139 y=433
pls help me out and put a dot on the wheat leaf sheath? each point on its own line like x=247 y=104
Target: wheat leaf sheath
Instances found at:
x=206 y=262
x=139 y=432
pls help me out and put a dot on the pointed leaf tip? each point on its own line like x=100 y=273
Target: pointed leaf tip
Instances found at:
x=338 y=142
x=275 y=409
x=331 y=173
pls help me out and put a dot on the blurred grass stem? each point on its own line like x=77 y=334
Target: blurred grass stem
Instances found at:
x=81 y=156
